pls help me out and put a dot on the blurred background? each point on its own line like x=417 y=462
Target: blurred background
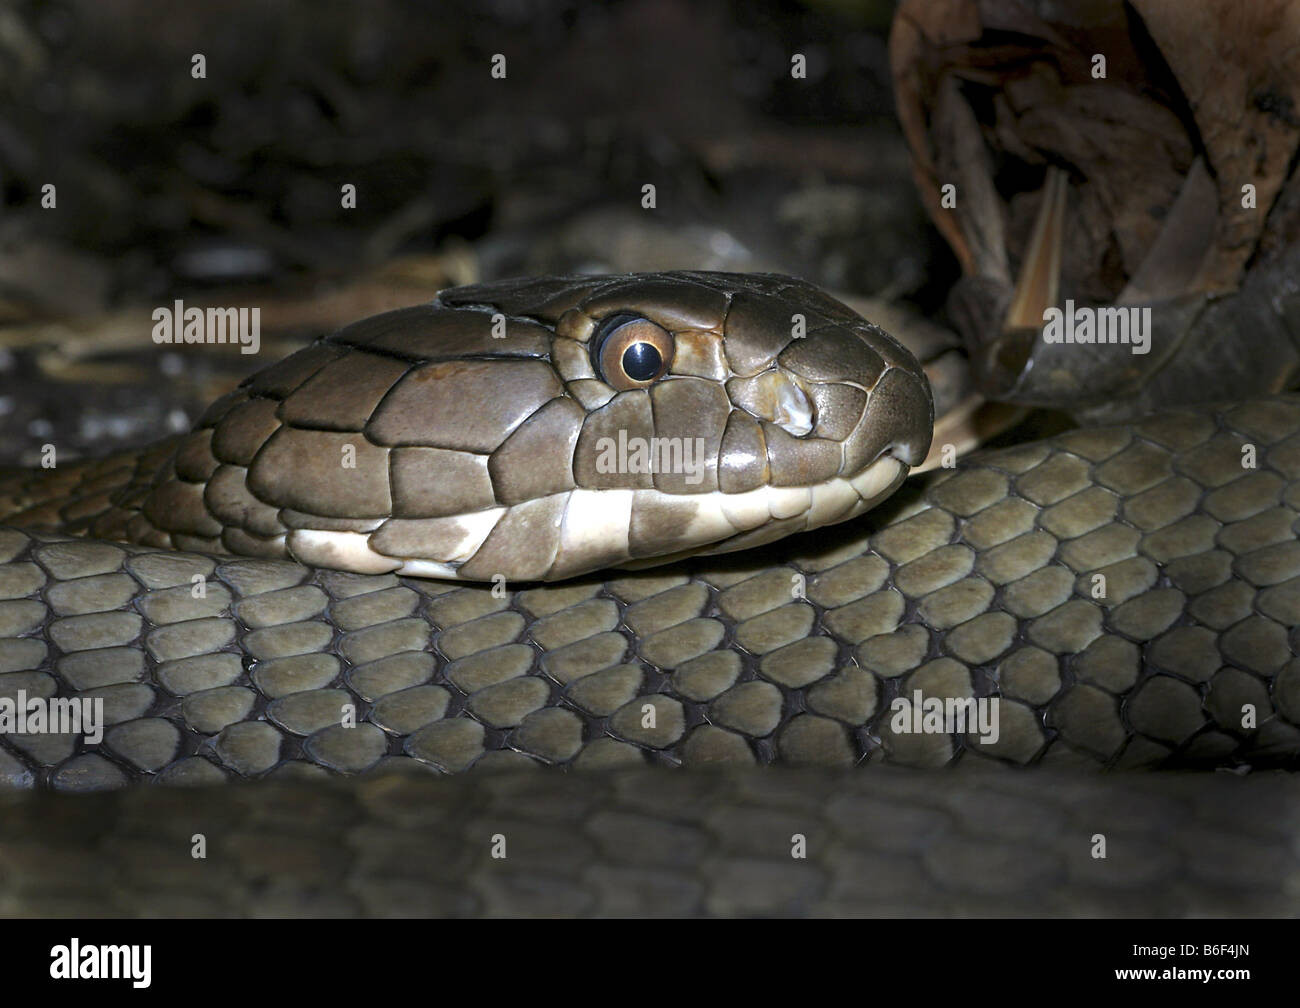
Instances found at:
x=226 y=189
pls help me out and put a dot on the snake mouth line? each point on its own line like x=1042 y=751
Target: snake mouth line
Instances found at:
x=602 y=528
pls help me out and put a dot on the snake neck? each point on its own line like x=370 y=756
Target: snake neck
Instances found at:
x=103 y=498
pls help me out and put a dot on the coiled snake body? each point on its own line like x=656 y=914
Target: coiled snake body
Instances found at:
x=1128 y=594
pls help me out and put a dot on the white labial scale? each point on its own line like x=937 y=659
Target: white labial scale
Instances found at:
x=351 y=550
x=474 y=528
x=710 y=522
x=596 y=518
x=720 y=515
x=786 y=502
x=341 y=550
x=745 y=511
x=833 y=500
x=878 y=479
x=429 y=569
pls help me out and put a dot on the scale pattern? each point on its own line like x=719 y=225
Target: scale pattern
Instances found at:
x=980 y=581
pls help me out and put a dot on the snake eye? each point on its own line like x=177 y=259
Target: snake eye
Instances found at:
x=631 y=352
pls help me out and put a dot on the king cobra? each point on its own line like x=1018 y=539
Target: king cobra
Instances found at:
x=275 y=595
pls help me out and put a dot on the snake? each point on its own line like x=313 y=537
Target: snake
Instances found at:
x=345 y=571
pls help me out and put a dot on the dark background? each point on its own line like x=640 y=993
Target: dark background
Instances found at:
x=166 y=181
x=226 y=190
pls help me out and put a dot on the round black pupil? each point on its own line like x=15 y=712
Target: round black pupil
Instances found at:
x=641 y=361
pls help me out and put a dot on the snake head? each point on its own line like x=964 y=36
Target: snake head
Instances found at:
x=545 y=428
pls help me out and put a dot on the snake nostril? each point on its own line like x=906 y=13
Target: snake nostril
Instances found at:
x=776 y=397
x=794 y=410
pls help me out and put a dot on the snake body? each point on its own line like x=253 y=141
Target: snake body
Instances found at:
x=1128 y=595
x=645 y=842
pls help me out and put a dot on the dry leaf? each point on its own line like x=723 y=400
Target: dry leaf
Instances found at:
x=1004 y=100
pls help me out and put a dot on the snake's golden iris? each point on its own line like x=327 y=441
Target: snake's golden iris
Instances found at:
x=631 y=352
